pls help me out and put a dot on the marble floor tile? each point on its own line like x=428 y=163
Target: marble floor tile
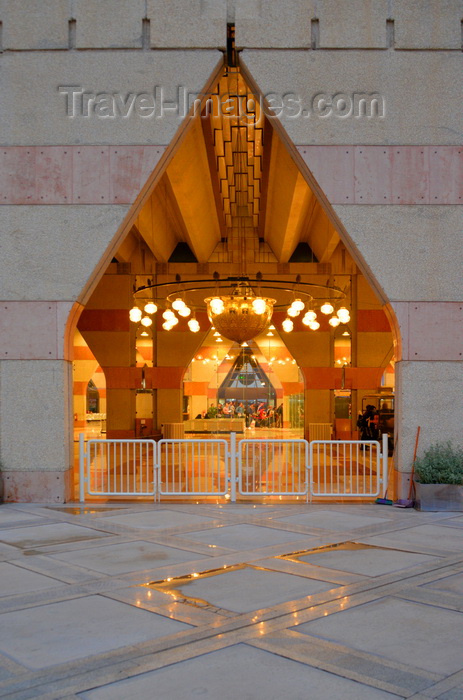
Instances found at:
x=126 y=557
x=238 y=672
x=248 y=589
x=16 y=580
x=423 y=636
x=10 y=515
x=332 y=520
x=369 y=561
x=422 y=536
x=244 y=536
x=51 y=634
x=452 y=584
x=46 y=535
x=155 y=519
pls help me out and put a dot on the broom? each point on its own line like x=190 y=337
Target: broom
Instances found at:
x=409 y=502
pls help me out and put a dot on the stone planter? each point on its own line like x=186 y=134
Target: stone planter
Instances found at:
x=439 y=497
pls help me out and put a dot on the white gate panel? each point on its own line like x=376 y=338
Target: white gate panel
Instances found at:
x=348 y=468
x=273 y=467
x=117 y=468
x=193 y=467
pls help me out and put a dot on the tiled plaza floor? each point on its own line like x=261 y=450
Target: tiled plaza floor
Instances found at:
x=178 y=601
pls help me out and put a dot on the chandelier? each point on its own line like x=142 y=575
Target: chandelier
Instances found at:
x=238 y=310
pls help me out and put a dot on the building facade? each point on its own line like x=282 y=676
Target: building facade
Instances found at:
x=98 y=129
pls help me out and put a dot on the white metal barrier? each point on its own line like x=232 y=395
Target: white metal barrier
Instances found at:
x=117 y=467
x=273 y=467
x=193 y=467
x=349 y=468
x=259 y=468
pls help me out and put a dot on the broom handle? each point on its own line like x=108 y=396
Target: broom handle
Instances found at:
x=413 y=463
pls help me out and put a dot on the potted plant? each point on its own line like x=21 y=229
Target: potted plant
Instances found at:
x=439 y=478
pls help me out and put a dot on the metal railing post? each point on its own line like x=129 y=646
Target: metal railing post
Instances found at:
x=81 y=468
x=233 y=456
x=384 y=458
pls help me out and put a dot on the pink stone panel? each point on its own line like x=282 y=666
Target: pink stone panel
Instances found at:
x=37 y=486
x=373 y=175
x=333 y=168
x=446 y=174
x=130 y=167
x=436 y=331
x=64 y=348
x=53 y=169
x=90 y=170
x=28 y=330
x=410 y=174
x=17 y=175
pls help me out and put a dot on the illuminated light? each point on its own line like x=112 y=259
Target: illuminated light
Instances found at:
x=146 y=321
x=270 y=334
x=293 y=312
x=334 y=321
x=346 y=319
x=145 y=334
x=271 y=328
x=259 y=305
x=135 y=314
x=244 y=345
x=149 y=594
x=216 y=305
x=168 y=325
x=310 y=316
x=200 y=357
x=193 y=325
x=272 y=359
x=287 y=325
x=195 y=575
x=346 y=333
x=218 y=340
x=342 y=314
x=217 y=334
x=168 y=315
x=178 y=304
x=227 y=496
x=314 y=326
x=298 y=304
x=184 y=311
x=327 y=308
x=151 y=308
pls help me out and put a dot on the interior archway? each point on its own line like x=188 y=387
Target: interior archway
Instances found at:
x=231 y=196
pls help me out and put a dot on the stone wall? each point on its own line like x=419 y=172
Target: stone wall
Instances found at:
x=58 y=230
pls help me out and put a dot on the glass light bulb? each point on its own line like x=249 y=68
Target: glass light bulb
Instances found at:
x=146 y=321
x=259 y=305
x=167 y=326
x=178 y=304
x=345 y=319
x=293 y=312
x=173 y=321
x=184 y=311
x=168 y=315
x=135 y=314
x=334 y=321
x=327 y=308
x=193 y=325
x=343 y=313
x=314 y=325
x=310 y=316
x=298 y=304
x=216 y=305
x=287 y=325
x=151 y=308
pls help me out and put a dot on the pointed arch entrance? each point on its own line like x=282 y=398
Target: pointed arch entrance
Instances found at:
x=231 y=194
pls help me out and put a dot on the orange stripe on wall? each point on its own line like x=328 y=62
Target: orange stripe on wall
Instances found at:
x=292 y=387
x=195 y=388
x=105 y=320
x=372 y=320
x=83 y=352
x=331 y=377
